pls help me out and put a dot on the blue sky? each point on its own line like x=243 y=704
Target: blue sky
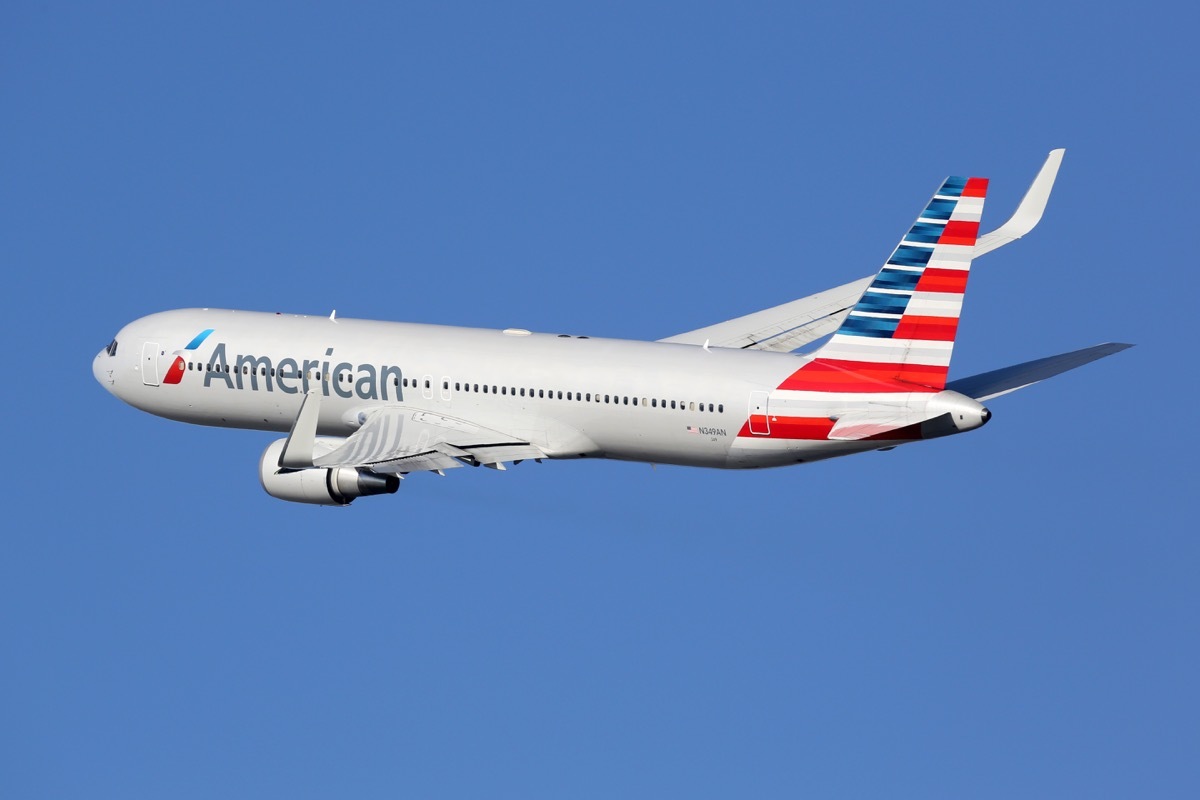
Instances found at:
x=1010 y=613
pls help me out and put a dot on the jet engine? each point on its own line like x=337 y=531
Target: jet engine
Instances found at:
x=336 y=486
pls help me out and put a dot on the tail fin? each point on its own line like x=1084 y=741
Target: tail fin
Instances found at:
x=900 y=334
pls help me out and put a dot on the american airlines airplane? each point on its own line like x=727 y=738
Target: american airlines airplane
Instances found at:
x=365 y=403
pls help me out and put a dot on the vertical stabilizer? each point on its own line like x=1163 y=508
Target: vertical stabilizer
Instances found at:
x=900 y=334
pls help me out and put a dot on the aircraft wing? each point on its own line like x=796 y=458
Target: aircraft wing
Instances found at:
x=786 y=327
x=1008 y=379
x=398 y=439
x=1029 y=212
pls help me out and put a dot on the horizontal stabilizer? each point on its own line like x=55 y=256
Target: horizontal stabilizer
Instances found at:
x=1009 y=379
x=878 y=419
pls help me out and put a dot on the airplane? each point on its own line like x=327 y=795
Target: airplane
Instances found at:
x=365 y=403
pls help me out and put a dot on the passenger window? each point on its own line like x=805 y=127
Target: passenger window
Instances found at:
x=485 y=391
x=503 y=390
x=446 y=385
x=721 y=408
x=691 y=406
x=560 y=395
x=606 y=398
x=541 y=392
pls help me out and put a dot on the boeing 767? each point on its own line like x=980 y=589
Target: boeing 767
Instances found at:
x=365 y=403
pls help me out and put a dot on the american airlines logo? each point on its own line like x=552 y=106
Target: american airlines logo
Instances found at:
x=290 y=375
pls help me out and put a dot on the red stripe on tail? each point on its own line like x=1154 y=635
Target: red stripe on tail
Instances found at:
x=938 y=329
x=830 y=375
x=934 y=279
x=976 y=187
x=959 y=232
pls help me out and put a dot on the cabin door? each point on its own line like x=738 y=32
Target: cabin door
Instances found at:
x=150 y=363
x=760 y=423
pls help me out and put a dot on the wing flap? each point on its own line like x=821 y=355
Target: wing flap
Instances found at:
x=428 y=461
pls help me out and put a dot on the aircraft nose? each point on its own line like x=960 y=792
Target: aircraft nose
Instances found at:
x=103 y=369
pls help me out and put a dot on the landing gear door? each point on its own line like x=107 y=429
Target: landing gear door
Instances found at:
x=150 y=363
x=760 y=422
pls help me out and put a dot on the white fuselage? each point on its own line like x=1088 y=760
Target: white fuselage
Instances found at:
x=571 y=396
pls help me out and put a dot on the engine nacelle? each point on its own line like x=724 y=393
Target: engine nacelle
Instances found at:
x=337 y=486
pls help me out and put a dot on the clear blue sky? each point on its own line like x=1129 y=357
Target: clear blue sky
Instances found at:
x=1007 y=614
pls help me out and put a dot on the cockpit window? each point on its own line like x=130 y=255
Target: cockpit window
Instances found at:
x=112 y=348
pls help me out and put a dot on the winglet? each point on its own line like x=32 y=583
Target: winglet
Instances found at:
x=298 y=449
x=1029 y=212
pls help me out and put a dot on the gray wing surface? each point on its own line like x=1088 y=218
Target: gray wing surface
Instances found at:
x=785 y=327
x=396 y=439
x=1008 y=379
